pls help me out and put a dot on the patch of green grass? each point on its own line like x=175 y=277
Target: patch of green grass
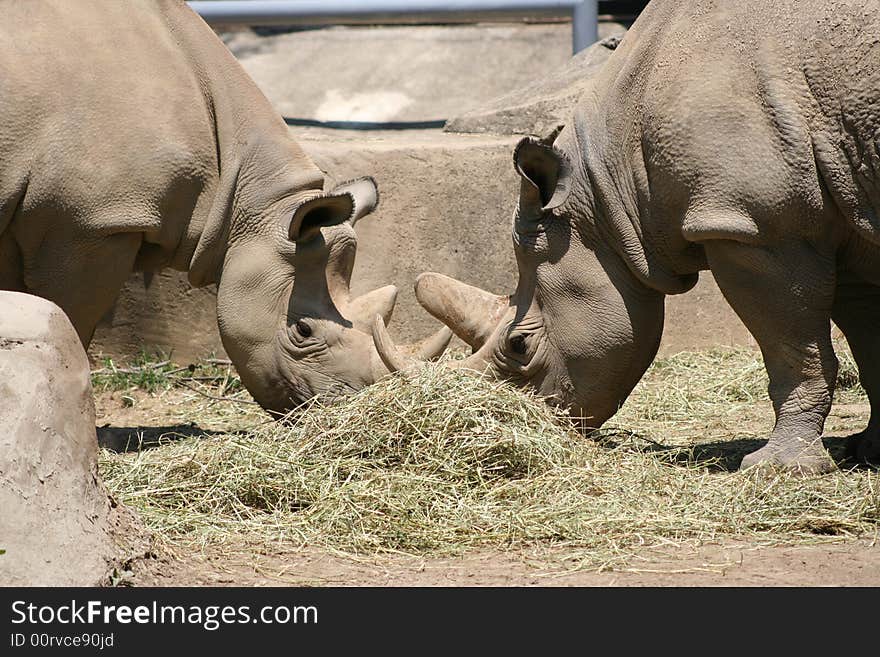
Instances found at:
x=693 y=397
x=151 y=373
x=148 y=372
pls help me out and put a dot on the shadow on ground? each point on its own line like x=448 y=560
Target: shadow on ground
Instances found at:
x=727 y=455
x=135 y=439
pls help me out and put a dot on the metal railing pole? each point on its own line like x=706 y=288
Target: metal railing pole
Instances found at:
x=584 y=13
x=353 y=12
x=584 y=25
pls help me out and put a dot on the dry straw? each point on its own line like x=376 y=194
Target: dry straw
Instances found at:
x=442 y=461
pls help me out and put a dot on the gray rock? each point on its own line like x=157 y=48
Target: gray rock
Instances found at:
x=540 y=107
x=58 y=525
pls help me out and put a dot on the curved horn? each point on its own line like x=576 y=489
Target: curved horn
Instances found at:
x=432 y=347
x=470 y=312
x=361 y=310
x=477 y=361
x=388 y=352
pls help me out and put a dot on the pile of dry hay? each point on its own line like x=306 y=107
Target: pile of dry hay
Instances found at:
x=442 y=461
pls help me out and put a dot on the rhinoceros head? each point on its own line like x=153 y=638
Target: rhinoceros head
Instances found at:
x=579 y=328
x=285 y=311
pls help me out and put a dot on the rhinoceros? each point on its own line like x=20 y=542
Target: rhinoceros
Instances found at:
x=737 y=137
x=131 y=139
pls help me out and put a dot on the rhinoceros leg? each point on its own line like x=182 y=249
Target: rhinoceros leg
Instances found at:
x=857 y=314
x=784 y=296
x=82 y=275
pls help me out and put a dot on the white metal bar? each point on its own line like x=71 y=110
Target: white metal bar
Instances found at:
x=584 y=25
x=328 y=12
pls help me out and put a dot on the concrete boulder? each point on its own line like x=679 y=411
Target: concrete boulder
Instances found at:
x=58 y=524
x=538 y=108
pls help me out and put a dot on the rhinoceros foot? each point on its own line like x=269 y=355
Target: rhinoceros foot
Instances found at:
x=794 y=455
x=864 y=447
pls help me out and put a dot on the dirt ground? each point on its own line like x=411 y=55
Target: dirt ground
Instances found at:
x=137 y=415
x=845 y=564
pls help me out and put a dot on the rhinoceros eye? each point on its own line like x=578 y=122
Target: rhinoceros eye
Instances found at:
x=303 y=328
x=518 y=344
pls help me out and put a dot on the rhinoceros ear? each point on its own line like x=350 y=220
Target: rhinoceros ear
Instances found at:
x=551 y=137
x=349 y=201
x=545 y=173
x=316 y=213
x=363 y=192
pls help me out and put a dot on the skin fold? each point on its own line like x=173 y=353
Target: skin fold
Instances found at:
x=132 y=140
x=737 y=137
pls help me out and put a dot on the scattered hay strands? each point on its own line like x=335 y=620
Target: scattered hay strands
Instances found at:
x=442 y=461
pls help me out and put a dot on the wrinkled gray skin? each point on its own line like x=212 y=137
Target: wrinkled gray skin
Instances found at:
x=131 y=139
x=740 y=137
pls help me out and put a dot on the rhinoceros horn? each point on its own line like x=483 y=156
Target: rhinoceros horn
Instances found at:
x=397 y=361
x=380 y=303
x=470 y=312
x=361 y=310
x=393 y=359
